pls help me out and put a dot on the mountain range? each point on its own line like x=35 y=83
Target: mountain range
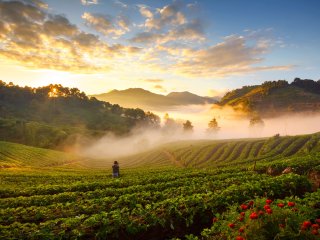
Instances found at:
x=141 y=98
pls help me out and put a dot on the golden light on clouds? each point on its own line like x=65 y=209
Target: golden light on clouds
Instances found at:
x=168 y=40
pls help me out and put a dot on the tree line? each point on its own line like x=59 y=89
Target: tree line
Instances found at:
x=53 y=115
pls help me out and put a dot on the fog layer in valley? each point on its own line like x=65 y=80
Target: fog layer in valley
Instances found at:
x=232 y=125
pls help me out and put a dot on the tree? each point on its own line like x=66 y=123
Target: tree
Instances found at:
x=213 y=126
x=256 y=121
x=187 y=126
x=170 y=125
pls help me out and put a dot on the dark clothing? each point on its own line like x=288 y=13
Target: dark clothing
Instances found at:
x=115 y=170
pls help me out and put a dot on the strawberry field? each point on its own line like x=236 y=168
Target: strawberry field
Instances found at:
x=149 y=204
x=235 y=201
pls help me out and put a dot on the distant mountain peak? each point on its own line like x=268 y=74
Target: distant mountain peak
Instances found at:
x=139 y=97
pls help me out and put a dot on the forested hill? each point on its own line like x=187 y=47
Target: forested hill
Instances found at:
x=273 y=98
x=52 y=115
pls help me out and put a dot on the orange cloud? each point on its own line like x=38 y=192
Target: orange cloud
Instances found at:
x=155 y=80
x=169 y=42
x=160 y=88
x=105 y=24
x=34 y=38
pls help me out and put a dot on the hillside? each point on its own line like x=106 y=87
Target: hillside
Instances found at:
x=272 y=99
x=138 y=97
x=13 y=155
x=54 y=116
x=226 y=153
x=173 y=192
x=181 y=154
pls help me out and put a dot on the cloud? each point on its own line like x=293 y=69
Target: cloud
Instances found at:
x=145 y=12
x=160 y=88
x=146 y=37
x=102 y=24
x=124 y=23
x=105 y=24
x=171 y=39
x=89 y=2
x=59 y=25
x=232 y=56
x=168 y=15
x=121 y=4
x=191 y=31
x=192 y=5
x=153 y=80
x=37 y=3
x=34 y=38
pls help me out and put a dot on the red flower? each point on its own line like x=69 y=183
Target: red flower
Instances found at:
x=315 y=226
x=291 y=204
x=242 y=214
x=241 y=229
x=315 y=232
x=266 y=207
x=282 y=225
x=244 y=207
x=254 y=215
x=306 y=224
x=231 y=225
x=318 y=220
x=261 y=213
x=280 y=205
x=269 y=211
x=268 y=201
x=251 y=203
x=303 y=228
x=214 y=219
x=240 y=219
x=240 y=238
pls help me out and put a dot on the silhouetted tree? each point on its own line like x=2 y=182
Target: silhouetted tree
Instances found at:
x=187 y=126
x=213 y=126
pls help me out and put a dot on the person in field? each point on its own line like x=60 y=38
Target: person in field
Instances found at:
x=115 y=169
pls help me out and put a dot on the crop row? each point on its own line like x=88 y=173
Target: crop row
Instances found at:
x=115 y=199
x=97 y=183
x=212 y=182
x=172 y=213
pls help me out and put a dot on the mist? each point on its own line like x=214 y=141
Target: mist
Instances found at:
x=233 y=125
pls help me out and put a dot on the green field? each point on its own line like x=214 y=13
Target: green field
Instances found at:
x=186 y=190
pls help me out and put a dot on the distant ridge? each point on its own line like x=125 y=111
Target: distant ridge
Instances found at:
x=274 y=98
x=141 y=98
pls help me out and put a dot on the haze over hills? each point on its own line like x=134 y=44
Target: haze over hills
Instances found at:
x=274 y=98
x=141 y=98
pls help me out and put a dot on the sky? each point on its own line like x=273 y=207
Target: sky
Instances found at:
x=205 y=47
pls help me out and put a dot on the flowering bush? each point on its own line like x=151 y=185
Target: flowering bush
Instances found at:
x=266 y=219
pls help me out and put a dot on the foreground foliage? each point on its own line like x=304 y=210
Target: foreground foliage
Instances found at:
x=152 y=204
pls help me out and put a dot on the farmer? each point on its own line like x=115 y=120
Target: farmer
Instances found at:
x=115 y=169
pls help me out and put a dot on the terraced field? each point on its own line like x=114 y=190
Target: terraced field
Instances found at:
x=204 y=153
x=186 y=190
x=14 y=155
x=158 y=204
x=199 y=154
